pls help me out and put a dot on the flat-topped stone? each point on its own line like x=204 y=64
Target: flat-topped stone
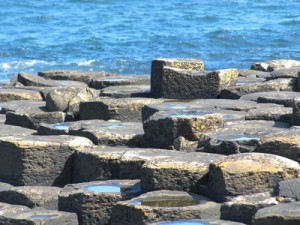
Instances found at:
x=32 y=80
x=187 y=84
x=247 y=73
x=104 y=82
x=13 y=214
x=126 y=110
x=32 y=196
x=8 y=130
x=183 y=172
x=13 y=106
x=238 y=136
x=243 y=208
x=38 y=160
x=7 y=95
x=249 y=173
x=275 y=64
x=282 y=114
x=164 y=205
x=93 y=201
x=285 y=143
x=157 y=73
x=282 y=214
x=289 y=189
x=291 y=72
x=163 y=128
x=126 y=91
x=237 y=91
x=278 y=97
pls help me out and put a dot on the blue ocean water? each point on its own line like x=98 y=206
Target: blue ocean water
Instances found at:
x=124 y=36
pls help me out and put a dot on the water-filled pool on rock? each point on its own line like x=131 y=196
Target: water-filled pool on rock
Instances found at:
x=188 y=114
x=183 y=222
x=42 y=217
x=115 y=79
x=61 y=126
x=239 y=137
x=166 y=202
x=103 y=188
x=111 y=126
x=174 y=106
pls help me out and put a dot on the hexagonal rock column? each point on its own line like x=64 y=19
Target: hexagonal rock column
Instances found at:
x=13 y=214
x=186 y=84
x=243 y=208
x=285 y=143
x=163 y=128
x=104 y=163
x=289 y=189
x=157 y=73
x=32 y=196
x=93 y=201
x=164 y=205
x=105 y=82
x=282 y=214
x=126 y=110
x=249 y=173
x=19 y=94
x=184 y=172
x=195 y=222
x=296 y=112
x=275 y=64
x=39 y=160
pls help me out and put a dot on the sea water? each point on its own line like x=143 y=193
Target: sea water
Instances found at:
x=124 y=36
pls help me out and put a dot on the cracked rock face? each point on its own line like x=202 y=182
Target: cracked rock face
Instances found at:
x=249 y=173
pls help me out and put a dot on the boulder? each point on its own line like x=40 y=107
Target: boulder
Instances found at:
x=282 y=214
x=164 y=205
x=126 y=91
x=289 y=189
x=38 y=160
x=158 y=75
x=163 y=128
x=32 y=80
x=187 y=84
x=182 y=172
x=93 y=201
x=105 y=82
x=7 y=95
x=243 y=208
x=276 y=64
x=127 y=110
x=249 y=173
x=32 y=196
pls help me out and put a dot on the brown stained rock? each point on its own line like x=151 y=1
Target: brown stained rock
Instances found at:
x=7 y=95
x=157 y=73
x=39 y=160
x=126 y=110
x=186 y=84
x=249 y=173
x=275 y=65
x=164 y=205
x=182 y=172
x=285 y=143
x=126 y=91
x=282 y=214
x=32 y=196
x=105 y=82
x=93 y=201
x=163 y=128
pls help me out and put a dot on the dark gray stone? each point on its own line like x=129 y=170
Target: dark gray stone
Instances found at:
x=93 y=201
x=38 y=160
x=289 y=189
x=248 y=173
x=282 y=214
x=296 y=112
x=7 y=95
x=157 y=73
x=243 y=208
x=164 y=205
x=32 y=196
x=126 y=91
x=281 y=114
x=105 y=82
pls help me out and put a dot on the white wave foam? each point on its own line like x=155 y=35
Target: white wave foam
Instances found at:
x=86 y=63
x=22 y=64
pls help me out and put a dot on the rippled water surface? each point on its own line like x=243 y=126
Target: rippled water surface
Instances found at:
x=124 y=36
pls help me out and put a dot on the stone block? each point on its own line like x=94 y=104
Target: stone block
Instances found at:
x=93 y=201
x=7 y=95
x=276 y=64
x=247 y=73
x=184 y=172
x=243 y=208
x=32 y=80
x=105 y=82
x=38 y=160
x=127 y=110
x=5 y=186
x=126 y=91
x=164 y=205
x=249 y=173
x=289 y=189
x=282 y=214
x=158 y=76
x=281 y=114
x=31 y=196
x=296 y=112
x=8 y=130
x=291 y=72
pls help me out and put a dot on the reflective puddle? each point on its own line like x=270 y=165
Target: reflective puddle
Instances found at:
x=183 y=222
x=188 y=114
x=166 y=202
x=111 y=126
x=42 y=217
x=174 y=106
x=132 y=189
x=104 y=188
x=240 y=137
x=61 y=126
